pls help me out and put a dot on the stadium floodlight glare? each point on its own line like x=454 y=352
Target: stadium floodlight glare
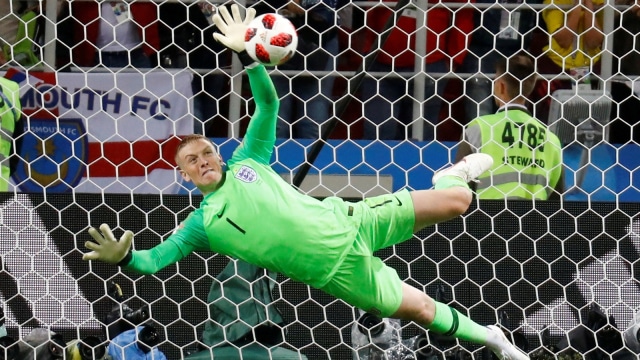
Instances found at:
x=580 y=116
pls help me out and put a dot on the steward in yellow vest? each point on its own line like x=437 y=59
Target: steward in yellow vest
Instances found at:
x=27 y=46
x=527 y=156
x=10 y=113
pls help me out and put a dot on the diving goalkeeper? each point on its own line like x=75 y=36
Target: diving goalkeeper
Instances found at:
x=249 y=212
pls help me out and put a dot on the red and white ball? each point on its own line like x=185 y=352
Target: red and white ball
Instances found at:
x=271 y=39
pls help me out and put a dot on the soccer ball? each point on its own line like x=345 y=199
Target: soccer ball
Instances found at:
x=271 y=39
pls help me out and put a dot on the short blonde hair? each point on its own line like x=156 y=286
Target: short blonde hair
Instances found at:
x=190 y=139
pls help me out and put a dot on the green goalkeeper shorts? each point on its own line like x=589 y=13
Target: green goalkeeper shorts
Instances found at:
x=362 y=279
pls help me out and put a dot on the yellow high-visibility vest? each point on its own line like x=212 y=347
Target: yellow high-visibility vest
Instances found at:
x=10 y=110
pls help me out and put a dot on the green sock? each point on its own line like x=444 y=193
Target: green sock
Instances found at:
x=449 y=181
x=449 y=322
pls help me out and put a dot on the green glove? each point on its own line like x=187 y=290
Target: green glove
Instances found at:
x=233 y=30
x=106 y=248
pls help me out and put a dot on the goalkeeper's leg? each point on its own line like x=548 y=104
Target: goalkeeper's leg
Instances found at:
x=438 y=317
x=452 y=195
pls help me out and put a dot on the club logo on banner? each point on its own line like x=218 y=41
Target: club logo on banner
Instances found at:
x=54 y=155
x=102 y=132
x=54 y=149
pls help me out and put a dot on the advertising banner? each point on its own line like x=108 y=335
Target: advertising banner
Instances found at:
x=102 y=132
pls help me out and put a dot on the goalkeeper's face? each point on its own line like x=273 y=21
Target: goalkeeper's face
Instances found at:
x=200 y=164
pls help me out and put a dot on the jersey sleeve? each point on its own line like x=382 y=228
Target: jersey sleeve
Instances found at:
x=473 y=135
x=553 y=16
x=260 y=138
x=189 y=238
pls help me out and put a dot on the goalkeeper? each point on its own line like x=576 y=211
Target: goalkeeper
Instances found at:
x=249 y=212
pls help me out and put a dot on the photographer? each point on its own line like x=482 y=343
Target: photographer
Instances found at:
x=244 y=321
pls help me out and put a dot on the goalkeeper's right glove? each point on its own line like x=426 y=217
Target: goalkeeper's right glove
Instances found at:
x=106 y=248
x=233 y=30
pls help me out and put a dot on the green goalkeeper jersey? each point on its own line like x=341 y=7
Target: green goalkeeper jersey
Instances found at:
x=258 y=217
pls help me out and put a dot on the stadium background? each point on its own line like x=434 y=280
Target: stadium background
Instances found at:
x=543 y=264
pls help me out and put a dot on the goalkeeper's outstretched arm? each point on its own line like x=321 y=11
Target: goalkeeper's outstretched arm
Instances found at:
x=260 y=139
x=261 y=133
x=107 y=248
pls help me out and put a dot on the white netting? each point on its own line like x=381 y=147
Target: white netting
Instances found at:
x=99 y=140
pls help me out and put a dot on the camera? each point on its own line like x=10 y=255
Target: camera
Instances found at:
x=136 y=344
x=370 y=324
x=42 y=344
x=122 y=318
x=130 y=339
x=631 y=335
x=147 y=338
x=373 y=338
x=89 y=348
x=8 y=348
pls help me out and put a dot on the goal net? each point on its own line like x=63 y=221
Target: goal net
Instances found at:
x=388 y=88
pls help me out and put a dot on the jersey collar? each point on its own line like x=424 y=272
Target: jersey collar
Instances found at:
x=520 y=107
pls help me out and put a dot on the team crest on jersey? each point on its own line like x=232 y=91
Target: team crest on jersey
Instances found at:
x=246 y=174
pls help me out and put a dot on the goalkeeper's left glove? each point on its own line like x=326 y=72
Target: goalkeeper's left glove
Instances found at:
x=233 y=30
x=107 y=248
